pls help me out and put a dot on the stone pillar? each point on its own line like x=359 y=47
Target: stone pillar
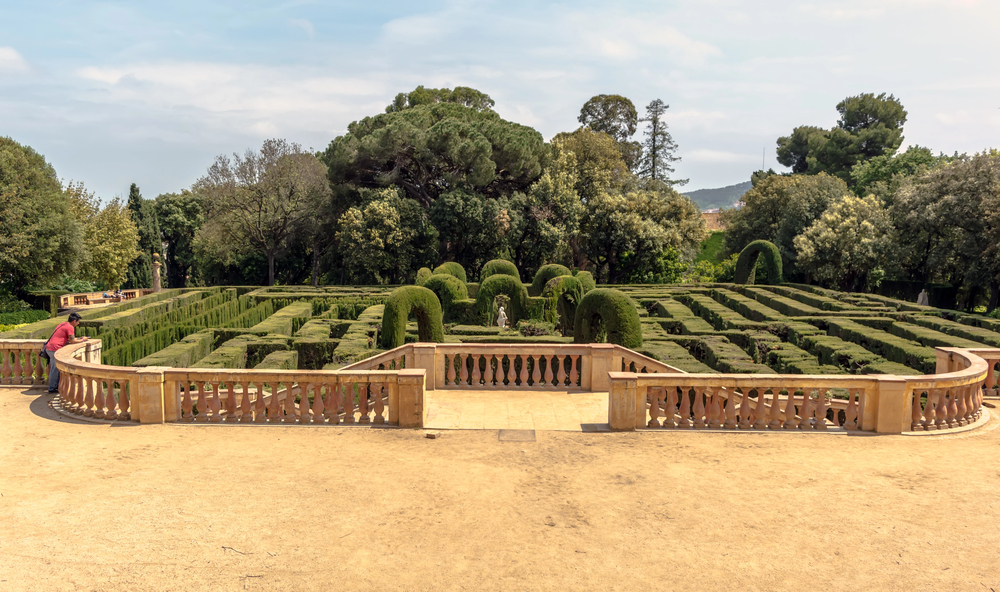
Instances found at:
x=887 y=410
x=156 y=272
x=424 y=358
x=622 y=402
x=150 y=395
x=411 y=398
x=601 y=362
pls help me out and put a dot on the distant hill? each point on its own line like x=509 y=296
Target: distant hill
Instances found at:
x=723 y=197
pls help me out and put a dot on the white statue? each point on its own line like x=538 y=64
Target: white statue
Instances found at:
x=156 y=272
x=922 y=298
x=502 y=318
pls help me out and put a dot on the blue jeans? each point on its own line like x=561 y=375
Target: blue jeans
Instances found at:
x=53 y=371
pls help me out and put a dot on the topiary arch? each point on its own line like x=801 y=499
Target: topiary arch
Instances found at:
x=544 y=274
x=499 y=267
x=420 y=301
x=495 y=285
x=611 y=310
x=448 y=289
x=759 y=250
x=451 y=268
x=562 y=295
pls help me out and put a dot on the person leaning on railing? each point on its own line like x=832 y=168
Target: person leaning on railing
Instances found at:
x=64 y=334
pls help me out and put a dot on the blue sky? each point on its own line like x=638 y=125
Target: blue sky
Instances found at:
x=150 y=92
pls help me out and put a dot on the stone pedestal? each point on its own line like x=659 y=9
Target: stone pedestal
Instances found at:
x=156 y=273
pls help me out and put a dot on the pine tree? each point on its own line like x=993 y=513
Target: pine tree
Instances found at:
x=658 y=147
x=140 y=271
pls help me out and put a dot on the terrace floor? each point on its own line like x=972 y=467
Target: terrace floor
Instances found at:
x=571 y=411
x=88 y=506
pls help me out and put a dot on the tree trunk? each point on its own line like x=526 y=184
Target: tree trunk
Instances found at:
x=315 y=267
x=994 y=295
x=270 y=268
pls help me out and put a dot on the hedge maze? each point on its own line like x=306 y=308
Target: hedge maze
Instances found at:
x=729 y=328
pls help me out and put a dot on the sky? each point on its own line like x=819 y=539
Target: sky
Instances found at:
x=114 y=93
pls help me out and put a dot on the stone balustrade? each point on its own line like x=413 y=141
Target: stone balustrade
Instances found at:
x=21 y=363
x=85 y=298
x=91 y=389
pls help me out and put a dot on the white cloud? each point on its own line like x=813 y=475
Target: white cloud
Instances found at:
x=305 y=25
x=627 y=37
x=717 y=156
x=12 y=61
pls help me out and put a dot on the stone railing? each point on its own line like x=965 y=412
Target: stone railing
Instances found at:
x=516 y=366
x=21 y=363
x=884 y=404
x=158 y=394
x=85 y=298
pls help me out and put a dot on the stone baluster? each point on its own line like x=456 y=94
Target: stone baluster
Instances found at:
x=549 y=375
x=246 y=410
x=125 y=394
x=654 y=396
x=476 y=372
x=318 y=409
x=522 y=375
x=851 y=413
x=99 y=399
x=822 y=404
x=670 y=407
x=40 y=373
x=730 y=422
x=202 y=404
x=972 y=395
x=916 y=412
x=715 y=409
x=760 y=410
x=18 y=370
x=965 y=404
x=378 y=392
x=574 y=371
x=5 y=377
x=745 y=411
x=364 y=404
x=450 y=365
x=775 y=413
x=536 y=372
x=791 y=422
x=64 y=392
x=806 y=411
x=187 y=411
x=509 y=375
x=286 y=408
x=952 y=407
x=215 y=403
x=331 y=403
x=700 y=419
x=348 y=398
x=111 y=402
x=561 y=374
x=231 y=402
x=685 y=409
x=259 y=402
x=89 y=401
x=930 y=411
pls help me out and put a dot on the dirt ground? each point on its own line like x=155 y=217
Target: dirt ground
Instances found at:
x=99 y=507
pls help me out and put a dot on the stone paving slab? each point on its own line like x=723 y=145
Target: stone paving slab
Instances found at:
x=565 y=411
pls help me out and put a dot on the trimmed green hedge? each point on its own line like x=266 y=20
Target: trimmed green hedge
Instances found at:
x=449 y=290
x=495 y=285
x=417 y=300
x=45 y=300
x=610 y=311
x=183 y=354
x=451 y=268
x=674 y=354
x=280 y=360
x=286 y=321
x=422 y=275
x=893 y=348
x=586 y=279
x=499 y=267
x=683 y=321
x=20 y=318
x=755 y=252
x=561 y=295
x=544 y=274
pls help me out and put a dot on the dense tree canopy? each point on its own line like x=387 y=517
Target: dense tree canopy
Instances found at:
x=180 y=216
x=616 y=116
x=140 y=271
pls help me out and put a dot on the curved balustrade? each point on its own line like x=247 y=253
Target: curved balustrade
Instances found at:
x=90 y=389
x=21 y=363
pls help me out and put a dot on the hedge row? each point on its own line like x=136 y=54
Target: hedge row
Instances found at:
x=449 y=290
x=415 y=300
x=748 y=307
x=286 y=321
x=544 y=274
x=360 y=341
x=957 y=329
x=783 y=305
x=608 y=311
x=499 y=267
x=930 y=337
x=684 y=321
x=815 y=300
x=451 y=268
x=720 y=317
x=24 y=317
x=674 y=354
x=280 y=360
x=725 y=356
x=893 y=348
x=124 y=354
x=495 y=285
x=182 y=354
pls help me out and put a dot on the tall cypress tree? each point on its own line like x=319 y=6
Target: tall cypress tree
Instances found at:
x=658 y=146
x=140 y=271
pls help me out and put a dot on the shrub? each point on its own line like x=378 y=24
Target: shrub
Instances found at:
x=586 y=280
x=499 y=267
x=495 y=285
x=544 y=274
x=610 y=311
x=449 y=290
x=420 y=301
x=759 y=250
x=422 y=275
x=23 y=317
x=451 y=268
x=530 y=328
x=562 y=294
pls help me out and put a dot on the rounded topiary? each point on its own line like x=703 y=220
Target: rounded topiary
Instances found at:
x=422 y=275
x=586 y=279
x=544 y=274
x=499 y=267
x=495 y=285
x=611 y=310
x=562 y=294
x=418 y=300
x=448 y=289
x=759 y=250
x=451 y=268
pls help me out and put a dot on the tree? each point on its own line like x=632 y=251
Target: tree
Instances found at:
x=600 y=167
x=390 y=237
x=461 y=95
x=40 y=239
x=431 y=149
x=869 y=126
x=658 y=146
x=261 y=199
x=616 y=116
x=180 y=216
x=140 y=271
x=777 y=209
x=112 y=240
x=848 y=245
x=884 y=175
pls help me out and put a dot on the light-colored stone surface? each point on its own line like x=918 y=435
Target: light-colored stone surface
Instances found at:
x=514 y=409
x=234 y=508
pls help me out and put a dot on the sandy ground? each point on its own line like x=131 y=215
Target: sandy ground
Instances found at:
x=99 y=507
